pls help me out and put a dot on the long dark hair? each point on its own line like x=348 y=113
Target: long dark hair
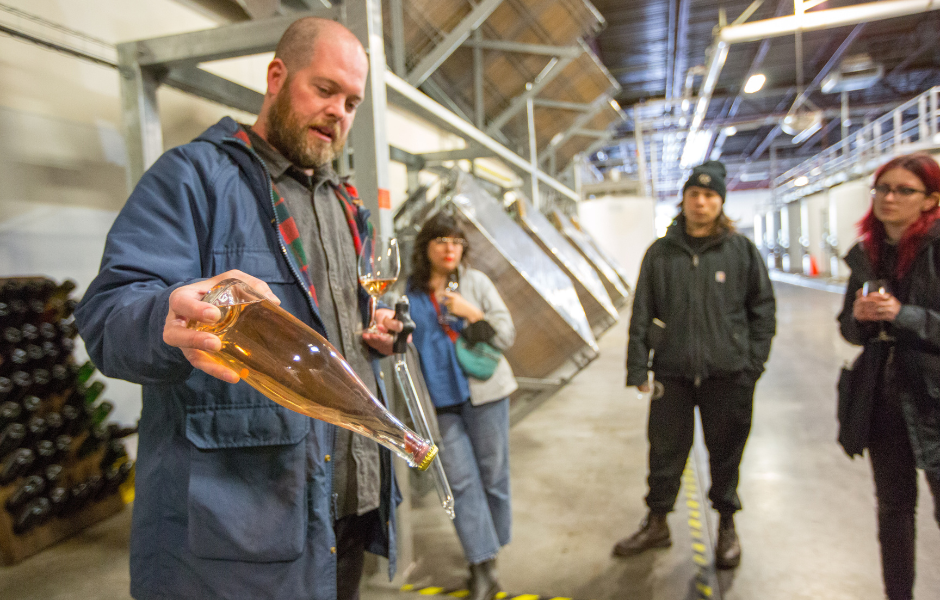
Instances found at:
x=872 y=230
x=440 y=225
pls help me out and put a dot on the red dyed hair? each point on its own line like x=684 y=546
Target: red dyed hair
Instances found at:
x=873 y=231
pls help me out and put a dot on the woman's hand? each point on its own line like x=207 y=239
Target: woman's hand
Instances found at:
x=459 y=307
x=875 y=307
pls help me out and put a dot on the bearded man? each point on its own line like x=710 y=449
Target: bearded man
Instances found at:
x=236 y=496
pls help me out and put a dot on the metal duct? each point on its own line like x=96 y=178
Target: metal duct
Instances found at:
x=551 y=327
x=600 y=311
x=615 y=288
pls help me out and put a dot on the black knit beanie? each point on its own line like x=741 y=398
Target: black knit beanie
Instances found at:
x=710 y=175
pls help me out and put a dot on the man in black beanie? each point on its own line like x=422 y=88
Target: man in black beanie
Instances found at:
x=710 y=287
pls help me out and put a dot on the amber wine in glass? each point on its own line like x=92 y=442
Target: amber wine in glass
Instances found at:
x=379 y=265
x=293 y=365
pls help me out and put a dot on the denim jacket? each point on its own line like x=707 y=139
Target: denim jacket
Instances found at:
x=233 y=490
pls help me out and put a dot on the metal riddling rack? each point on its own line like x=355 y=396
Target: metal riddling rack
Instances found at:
x=552 y=330
x=598 y=308
x=618 y=293
x=489 y=58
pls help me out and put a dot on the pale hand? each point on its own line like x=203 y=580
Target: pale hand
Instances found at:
x=459 y=307
x=387 y=325
x=186 y=305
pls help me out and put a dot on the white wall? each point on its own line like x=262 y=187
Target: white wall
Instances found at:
x=742 y=207
x=623 y=225
x=848 y=203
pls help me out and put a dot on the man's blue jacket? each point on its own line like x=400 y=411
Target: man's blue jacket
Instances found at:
x=233 y=492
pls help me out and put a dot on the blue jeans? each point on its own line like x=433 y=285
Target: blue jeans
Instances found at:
x=475 y=455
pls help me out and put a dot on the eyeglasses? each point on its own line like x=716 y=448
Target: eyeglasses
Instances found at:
x=443 y=241
x=882 y=191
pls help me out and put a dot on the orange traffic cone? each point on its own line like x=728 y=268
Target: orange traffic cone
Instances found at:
x=813 y=266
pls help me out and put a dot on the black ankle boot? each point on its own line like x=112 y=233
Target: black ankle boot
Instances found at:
x=728 y=548
x=483 y=584
x=653 y=533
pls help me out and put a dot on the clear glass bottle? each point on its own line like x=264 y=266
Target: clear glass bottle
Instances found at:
x=296 y=367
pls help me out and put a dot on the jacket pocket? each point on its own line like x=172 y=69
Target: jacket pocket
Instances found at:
x=264 y=263
x=247 y=484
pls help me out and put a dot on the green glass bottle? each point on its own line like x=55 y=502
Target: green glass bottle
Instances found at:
x=85 y=372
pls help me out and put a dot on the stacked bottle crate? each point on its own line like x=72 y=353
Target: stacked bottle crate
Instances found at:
x=63 y=466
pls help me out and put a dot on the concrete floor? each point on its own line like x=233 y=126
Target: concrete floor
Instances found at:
x=578 y=476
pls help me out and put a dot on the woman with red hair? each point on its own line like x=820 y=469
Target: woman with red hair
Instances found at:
x=897 y=319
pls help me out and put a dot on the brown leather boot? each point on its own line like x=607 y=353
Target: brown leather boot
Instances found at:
x=483 y=584
x=653 y=533
x=728 y=549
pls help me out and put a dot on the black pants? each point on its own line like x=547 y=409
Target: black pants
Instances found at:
x=725 y=406
x=892 y=461
x=352 y=535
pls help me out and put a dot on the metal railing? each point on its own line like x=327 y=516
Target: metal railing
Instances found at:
x=911 y=127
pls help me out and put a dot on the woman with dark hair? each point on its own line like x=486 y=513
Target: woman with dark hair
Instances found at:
x=897 y=320
x=449 y=299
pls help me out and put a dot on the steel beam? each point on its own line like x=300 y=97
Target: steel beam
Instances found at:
x=595 y=107
x=406 y=96
x=412 y=161
x=228 y=41
x=575 y=106
x=369 y=136
x=451 y=42
x=206 y=85
x=533 y=154
x=479 y=100
x=141 y=118
x=508 y=46
x=470 y=153
x=397 y=21
x=518 y=103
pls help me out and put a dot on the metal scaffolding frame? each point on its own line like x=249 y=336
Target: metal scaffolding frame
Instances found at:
x=175 y=61
x=477 y=58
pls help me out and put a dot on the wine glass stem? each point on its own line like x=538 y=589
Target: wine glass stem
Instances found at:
x=372 y=301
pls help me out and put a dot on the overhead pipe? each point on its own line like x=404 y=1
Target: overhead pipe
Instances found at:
x=778 y=26
x=824 y=19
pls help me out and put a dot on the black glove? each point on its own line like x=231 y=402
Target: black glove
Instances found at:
x=481 y=331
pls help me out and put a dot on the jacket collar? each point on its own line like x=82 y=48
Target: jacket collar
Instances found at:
x=675 y=233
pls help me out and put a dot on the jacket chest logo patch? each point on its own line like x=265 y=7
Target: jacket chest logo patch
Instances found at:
x=720 y=276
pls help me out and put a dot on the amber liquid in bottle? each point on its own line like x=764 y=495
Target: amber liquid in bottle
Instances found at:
x=293 y=365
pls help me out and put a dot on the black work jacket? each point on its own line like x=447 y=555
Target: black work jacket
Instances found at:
x=717 y=303
x=916 y=331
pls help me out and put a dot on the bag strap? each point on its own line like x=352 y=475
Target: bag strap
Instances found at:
x=453 y=335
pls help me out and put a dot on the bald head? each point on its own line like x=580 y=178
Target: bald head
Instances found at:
x=297 y=45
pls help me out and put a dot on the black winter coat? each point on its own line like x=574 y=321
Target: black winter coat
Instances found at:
x=916 y=330
x=718 y=306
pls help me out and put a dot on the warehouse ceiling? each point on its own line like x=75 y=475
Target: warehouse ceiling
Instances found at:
x=652 y=46
x=650 y=56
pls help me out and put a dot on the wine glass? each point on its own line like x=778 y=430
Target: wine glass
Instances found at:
x=452 y=286
x=379 y=265
x=875 y=286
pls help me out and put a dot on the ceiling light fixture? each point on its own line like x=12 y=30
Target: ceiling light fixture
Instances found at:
x=695 y=148
x=754 y=83
x=730 y=130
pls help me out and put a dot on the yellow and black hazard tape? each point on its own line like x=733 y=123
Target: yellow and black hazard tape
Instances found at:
x=452 y=593
x=700 y=538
